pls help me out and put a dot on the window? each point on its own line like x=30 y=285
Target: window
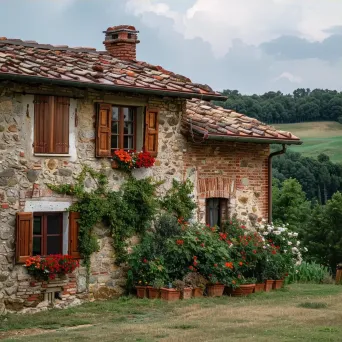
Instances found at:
x=216 y=211
x=125 y=127
x=42 y=234
x=47 y=234
x=51 y=124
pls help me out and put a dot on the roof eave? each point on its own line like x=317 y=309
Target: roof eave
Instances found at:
x=254 y=140
x=160 y=92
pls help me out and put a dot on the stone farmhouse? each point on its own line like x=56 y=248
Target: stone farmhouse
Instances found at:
x=61 y=107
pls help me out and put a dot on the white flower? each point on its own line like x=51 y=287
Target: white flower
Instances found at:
x=305 y=249
x=298 y=243
x=294 y=250
x=295 y=234
x=290 y=234
x=264 y=247
x=297 y=271
x=289 y=243
x=285 y=251
x=265 y=233
x=277 y=232
x=231 y=245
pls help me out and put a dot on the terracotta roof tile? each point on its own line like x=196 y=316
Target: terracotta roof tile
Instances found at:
x=207 y=120
x=88 y=66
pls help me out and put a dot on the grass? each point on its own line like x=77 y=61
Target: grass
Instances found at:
x=318 y=137
x=301 y=312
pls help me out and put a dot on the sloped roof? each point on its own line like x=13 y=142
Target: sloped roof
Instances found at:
x=207 y=121
x=86 y=67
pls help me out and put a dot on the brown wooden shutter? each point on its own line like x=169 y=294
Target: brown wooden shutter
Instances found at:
x=104 y=130
x=73 y=235
x=24 y=236
x=151 y=131
x=43 y=110
x=61 y=125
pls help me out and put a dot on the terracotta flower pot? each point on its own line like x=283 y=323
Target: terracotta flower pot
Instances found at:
x=278 y=284
x=197 y=292
x=153 y=293
x=268 y=285
x=215 y=290
x=259 y=287
x=242 y=290
x=169 y=294
x=115 y=164
x=186 y=293
x=141 y=291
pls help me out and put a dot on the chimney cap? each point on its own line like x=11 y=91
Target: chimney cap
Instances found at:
x=121 y=28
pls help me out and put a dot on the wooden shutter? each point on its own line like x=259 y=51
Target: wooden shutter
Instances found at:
x=24 y=236
x=61 y=125
x=43 y=110
x=73 y=234
x=151 y=131
x=104 y=130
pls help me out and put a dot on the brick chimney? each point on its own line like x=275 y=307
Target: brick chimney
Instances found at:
x=121 y=42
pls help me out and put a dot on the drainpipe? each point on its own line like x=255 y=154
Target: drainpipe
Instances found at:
x=277 y=153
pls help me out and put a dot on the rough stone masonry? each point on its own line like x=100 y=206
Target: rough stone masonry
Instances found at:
x=239 y=172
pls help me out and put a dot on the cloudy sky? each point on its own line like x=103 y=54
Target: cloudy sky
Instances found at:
x=250 y=45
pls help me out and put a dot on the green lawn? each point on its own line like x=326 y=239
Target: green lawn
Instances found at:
x=318 y=137
x=297 y=313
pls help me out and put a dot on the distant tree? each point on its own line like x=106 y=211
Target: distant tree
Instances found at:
x=290 y=204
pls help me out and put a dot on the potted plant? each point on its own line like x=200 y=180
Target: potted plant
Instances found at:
x=196 y=282
x=214 y=288
x=170 y=293
x=154 y=290
x=186 y=292
x=243 y=287
x=141 y=289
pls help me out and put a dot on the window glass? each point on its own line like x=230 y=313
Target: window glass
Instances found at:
x=47 y=234
x=123 y=128
x=54 y=244
x=37 y=243
x=37 y=225
x=115 y=114
x=128 y=142
x=213 y=212
x=53 y=224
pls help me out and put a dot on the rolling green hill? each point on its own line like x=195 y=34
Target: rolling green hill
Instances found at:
x=318 y=137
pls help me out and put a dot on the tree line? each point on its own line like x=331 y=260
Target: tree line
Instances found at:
x=275 y=107
x=319 y=178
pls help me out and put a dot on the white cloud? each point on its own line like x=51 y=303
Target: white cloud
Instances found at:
x=288 y=76
x=220 y=22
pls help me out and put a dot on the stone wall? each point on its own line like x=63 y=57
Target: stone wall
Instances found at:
x=23 y=177
x=235 y=171
x=240 y=171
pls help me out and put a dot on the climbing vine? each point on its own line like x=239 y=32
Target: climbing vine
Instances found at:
x=127 y=212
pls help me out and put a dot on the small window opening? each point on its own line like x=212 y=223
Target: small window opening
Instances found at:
x=115 y=36
x=129 y=35
x=216 y=211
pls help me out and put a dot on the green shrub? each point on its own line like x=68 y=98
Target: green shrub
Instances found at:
x=310 y=272
x=178 y=200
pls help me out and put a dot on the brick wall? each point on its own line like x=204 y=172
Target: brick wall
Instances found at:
x=236 y=171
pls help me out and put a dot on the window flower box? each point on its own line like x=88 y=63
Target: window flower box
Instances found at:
x=130 y=160
x=51 y=266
